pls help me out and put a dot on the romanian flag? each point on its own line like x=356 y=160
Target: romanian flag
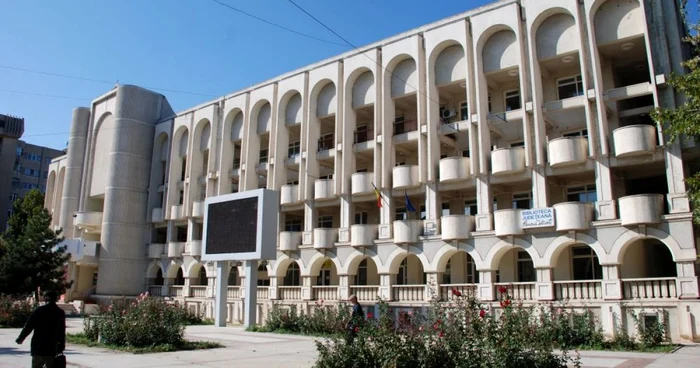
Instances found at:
x=378 y=194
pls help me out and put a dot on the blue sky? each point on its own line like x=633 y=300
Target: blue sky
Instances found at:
x=196 y=46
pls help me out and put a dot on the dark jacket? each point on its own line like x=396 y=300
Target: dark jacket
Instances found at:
x=49 y=325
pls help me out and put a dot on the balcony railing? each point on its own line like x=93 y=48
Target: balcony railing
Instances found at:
x=362 y=136
x=408 y=293
x=156 y=250
x=329 y=292
x=325 y=143
x=289 y=292
x=641 y=209
x=198 y=291
x=289 y=194
x=405 y=126
x=155 y=290
x=234 y=292
x=176 y=290
x=457 y=227
x=520 y=290
x=649 y=288
x=365 y=293
x=464 y=289
x=263 y=292
x=573 y=215
x=578 y=290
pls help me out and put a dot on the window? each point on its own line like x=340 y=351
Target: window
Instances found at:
x=15 y=183
x=447 y=275
x=324 y=276
x=19 y=151
x=293 y=182
x=325 y=222
x=401 y=163
x=326 y=177
x=401 y=213
x=526 y=269
x=292 y=225
x=489 y=101
x=294 y=149
x=512 y=100
x=181 y=233
x=263 y=279
x=263 y=155
x=422 y=212
x=48 y=160
x=13 y=197
x=205 y=162
x=363 y=134
x=325 y=142
x=181 y=200
x=465 y=153
x=522 y=200
x=463 y=110
x=402 y=276
x=472 y=273
x=236 y=163
x=46 y=174
x=18 y=167
x=585 y=264
x=233 y=276
x=292 y=277
x=570 y=87
x=361 y=170
x=184 y=169
x=445 y=208
x=443 y=155
x=517 y=144
x=470 y=207
x=361 y=276
x=578 y=133
x=361 y=218
x=583 y=193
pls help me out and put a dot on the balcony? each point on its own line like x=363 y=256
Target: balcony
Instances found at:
x=567 y=151
x=362 y=136
x=634 y=140
x=289 y=194
x=325 y=238
x=90 y=222
x=175 y=249
x=573 y=216
x=454 y=169
x=157 y=215
x=290 y=241
x=177 y=212
x=324 y=189
x=408 y=293
x=456 y=227
x=507 y=222
x=288 y=292
x=155 y=251
x=578 y=290
x=198 y=209
x=405 y=176
x=361 y=183
x=363 y=235
x=405 y=126
x=365 y=293
x=641 y=209
x=194 y=248
x=627 y=92
x=509 y=160
x=407 y=231
x=649 y=288
x=325 y=292
x=325 y=143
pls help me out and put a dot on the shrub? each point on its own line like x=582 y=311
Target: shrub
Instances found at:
x=651 y=331
x=322 y=319
x=14 y=312
x=144 y=322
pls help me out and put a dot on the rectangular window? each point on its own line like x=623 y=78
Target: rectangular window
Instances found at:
x=294 y=149
x=517 y=144
x=585 y=264
x=326 y=177
x=48 y=160
x=526 y=269
x=292 y=225
x=263 y=155
x=401 y=214
x=181 y=233
x=402 y=276
x=470 y=207
x=361 y=218
x=325 y=222
x=582 y=193
x=325 y=142
x=401 y=163
x=236 y=163
x=361 y=170
x=570 y=87
x=184 y=169
x=463 y=110
x=293 y=182
x=19 y=151
x=363 y=134
x=489 y=101
x=46 y=174
x=422 y=212
x=181 y=200
x=13 y=197
x=205 y=162
x=577 y=133
x=445 y=208
x=512 y=100
x=522 y=200
x=465 y=153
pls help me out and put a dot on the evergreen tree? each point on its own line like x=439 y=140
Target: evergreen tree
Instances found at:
x=29 y=255
x=685 y=119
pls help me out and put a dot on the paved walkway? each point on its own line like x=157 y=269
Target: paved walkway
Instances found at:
x=256 y=350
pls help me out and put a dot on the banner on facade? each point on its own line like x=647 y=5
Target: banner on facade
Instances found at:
x=537 y=217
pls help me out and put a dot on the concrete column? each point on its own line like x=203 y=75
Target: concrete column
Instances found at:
x=433 y=209
x=186 y=287
x=611 y=319
x=386 y=281
x=306 y=292
x=220 y=305
x=612 y=285
x=605 y=206
x=484 y=203
x=344 y=286
x=485 y=287
x=346 y=217
x=211 y=287
x=165 y=289
x=77 y=141
x=310 y=221
x=687 y=281
x=677 y=198
x=125 y=230
x=191 y=227
x=544 y=288
x=540 y=194
x=385 y=214
x=432 y=286
x=274 y=290
x=250 y=304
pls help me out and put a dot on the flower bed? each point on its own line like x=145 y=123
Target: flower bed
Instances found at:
x=323 y=320
x=14 y=312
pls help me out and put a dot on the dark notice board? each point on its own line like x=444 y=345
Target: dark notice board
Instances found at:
x=232 y=227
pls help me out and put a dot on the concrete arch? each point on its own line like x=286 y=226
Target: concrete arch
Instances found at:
x=614 y=20
x=314 y=265
x=260 y=116
x=233 y=126
x=446 y=252
x=152 y=270
x=402 y=75
x=202 y=134
x=447 y=62
x=493 y=258
x=181 y=141
x=103 y=142
x=326 y=98
x=279 y=269
x=59 y=195
x=172 y=268
x=360 y=87
x=556 y=246
x=555 y=33
x=50 y=187
x=291 y=108
x=161 y=147
x=630 y=236
x=499 y=49
x=397 y=256
x=192 y=269
x=352 y=262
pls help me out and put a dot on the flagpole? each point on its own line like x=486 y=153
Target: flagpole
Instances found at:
x=380 y=194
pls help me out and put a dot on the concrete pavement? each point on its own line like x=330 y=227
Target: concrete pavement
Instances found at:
x=251 y=349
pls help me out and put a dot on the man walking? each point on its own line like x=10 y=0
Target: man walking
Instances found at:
x=356 y=319
x=49 y=325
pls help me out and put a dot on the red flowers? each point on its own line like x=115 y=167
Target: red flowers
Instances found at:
x=456 y=292
x=441 y=334
x=482 y=313
x=357 y=329
x=502 y=289
x=505 y=303
x=370 y=315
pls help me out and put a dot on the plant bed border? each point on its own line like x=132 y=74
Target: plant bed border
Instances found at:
x=81 y=339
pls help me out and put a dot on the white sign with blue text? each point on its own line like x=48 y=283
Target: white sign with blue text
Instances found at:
x=537 y=217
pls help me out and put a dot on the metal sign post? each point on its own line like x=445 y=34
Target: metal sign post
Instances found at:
x=250 y=303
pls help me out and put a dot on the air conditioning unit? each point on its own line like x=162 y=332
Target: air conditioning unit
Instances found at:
x=448 y=113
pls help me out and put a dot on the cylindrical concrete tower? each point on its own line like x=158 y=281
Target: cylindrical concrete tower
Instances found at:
x=124 y=227
x=74 y=169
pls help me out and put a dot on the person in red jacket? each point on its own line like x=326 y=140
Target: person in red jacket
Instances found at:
x=48 y=323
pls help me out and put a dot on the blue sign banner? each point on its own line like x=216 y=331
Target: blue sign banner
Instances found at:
x=537 y=217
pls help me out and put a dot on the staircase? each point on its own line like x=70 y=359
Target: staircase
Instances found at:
x=68 y=308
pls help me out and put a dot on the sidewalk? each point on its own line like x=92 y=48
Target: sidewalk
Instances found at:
x=256 y=350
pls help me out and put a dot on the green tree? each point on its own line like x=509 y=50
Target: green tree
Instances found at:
x=684 y=120
x=30 y=256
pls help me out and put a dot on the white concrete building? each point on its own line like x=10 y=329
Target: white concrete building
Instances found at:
x=478 y=119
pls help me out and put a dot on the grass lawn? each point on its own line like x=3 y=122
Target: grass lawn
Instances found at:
x=81 y=339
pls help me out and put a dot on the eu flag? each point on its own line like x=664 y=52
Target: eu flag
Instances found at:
x=409 y=205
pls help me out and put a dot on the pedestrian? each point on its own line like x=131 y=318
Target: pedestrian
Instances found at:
x=356 y=319
x=49 y=325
